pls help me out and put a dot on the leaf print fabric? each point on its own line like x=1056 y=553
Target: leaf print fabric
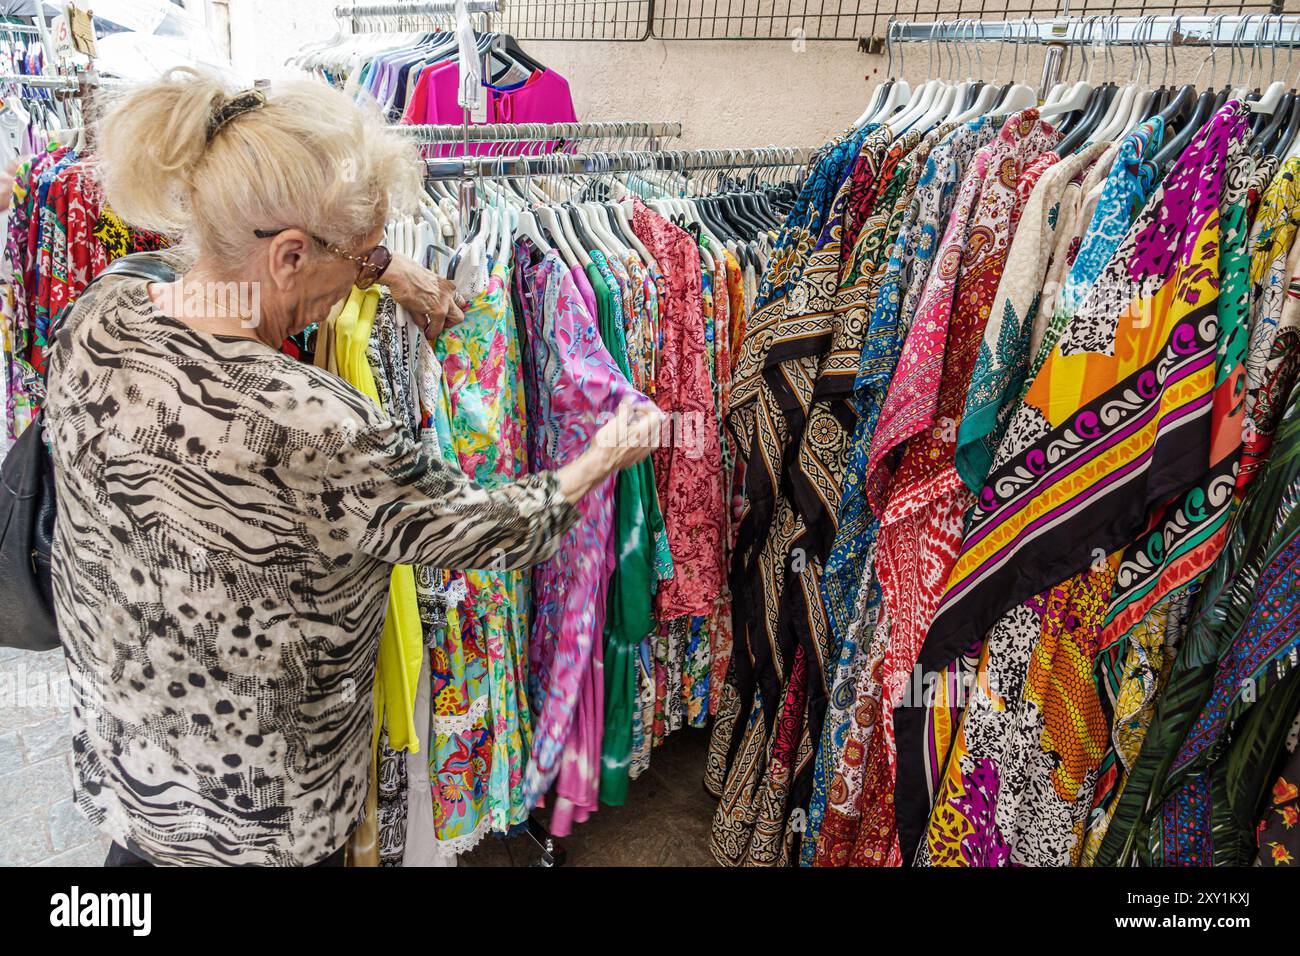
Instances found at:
x=1003 y=361
x=1233 y=691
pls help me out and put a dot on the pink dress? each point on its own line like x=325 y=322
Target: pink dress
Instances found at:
x=572 y=382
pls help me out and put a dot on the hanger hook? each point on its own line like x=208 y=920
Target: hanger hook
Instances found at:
x=1213 y=55
x=1232 y=50
x=1146 y=47
x=1014 y=40
x=930 y=50
x=1169 y=47
x=1134 y=59
x=889 y=49
x=1280 y=24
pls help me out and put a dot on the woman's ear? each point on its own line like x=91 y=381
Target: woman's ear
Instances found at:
x=287 y=258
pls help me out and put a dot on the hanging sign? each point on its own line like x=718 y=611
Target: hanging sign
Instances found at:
x=82 y=25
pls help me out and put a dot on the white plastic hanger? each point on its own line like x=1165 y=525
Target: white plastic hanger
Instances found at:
x=940 y=105
x=621 y=212
x=547 y=217
x=1268 y=101
x=894 y=95
x=563 y=215
x=965 y=86
x=526 y=226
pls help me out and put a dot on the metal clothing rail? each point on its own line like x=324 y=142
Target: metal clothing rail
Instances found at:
x=596 y=164
x=1226 y=30
x=41 y=81
x=1254 y=30
x=540 y=132
x=55 y=82
x=413 y=8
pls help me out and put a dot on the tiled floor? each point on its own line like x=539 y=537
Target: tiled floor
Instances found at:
x=665 y=821
x=39 y=826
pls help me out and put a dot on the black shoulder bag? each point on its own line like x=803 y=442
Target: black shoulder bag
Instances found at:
x=27 y=509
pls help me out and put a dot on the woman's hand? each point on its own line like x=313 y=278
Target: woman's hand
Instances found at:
x=7 y=178
x=429 y=298
x=627 y=438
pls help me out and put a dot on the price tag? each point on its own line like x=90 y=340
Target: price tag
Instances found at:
x=478 y=112
x=61 y=35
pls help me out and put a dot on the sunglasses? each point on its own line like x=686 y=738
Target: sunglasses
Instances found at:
x=370 y=268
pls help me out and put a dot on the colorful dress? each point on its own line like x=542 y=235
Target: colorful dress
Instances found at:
x=576 y=381
x=764 y=719
x=1114 y=423
x=1222 y=725
x=937 y=168
x=478 y=657
x=688 y=466
x=922 y=501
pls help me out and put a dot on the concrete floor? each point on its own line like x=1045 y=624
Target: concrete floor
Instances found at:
x=665 y=821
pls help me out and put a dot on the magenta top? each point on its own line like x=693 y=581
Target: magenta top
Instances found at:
x=542 y=98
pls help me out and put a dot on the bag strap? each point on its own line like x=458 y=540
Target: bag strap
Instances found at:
x=139 y=265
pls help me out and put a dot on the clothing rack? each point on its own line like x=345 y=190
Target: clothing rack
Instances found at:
x=70 y=83
x=541 y=132
x=1236 y=30
x=41 y=81
x=1220 y=30
x=593 y=164
x=430 y=8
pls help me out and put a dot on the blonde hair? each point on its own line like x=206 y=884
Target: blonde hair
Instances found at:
x=310 y=158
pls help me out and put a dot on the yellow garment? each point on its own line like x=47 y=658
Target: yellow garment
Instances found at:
x=401 y=646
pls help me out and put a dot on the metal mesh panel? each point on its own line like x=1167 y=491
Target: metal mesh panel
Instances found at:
x=850 y=19
x=794 y=20
x=578 y=19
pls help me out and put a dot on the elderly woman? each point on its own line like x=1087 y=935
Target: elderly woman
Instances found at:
x=229 y=516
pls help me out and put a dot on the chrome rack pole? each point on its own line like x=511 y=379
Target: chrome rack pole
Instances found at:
x=539 y=132
x=41 y=81
x=412 y=8
x=570 y=164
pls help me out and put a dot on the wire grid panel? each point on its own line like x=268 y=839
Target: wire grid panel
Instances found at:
x=578 y=19
x=796 y=20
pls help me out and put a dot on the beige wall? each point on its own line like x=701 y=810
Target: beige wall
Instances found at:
x=726 y=93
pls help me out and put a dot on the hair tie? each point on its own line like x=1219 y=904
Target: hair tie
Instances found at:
x=236 y=106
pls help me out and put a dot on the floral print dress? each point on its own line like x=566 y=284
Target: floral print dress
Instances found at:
x=478 y=658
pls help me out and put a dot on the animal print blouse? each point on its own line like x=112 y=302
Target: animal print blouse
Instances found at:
x=227 y=522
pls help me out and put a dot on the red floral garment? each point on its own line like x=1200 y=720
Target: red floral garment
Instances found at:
x=83 y=256
x=688 y=466
x=1278 y=833
x=922 y=523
